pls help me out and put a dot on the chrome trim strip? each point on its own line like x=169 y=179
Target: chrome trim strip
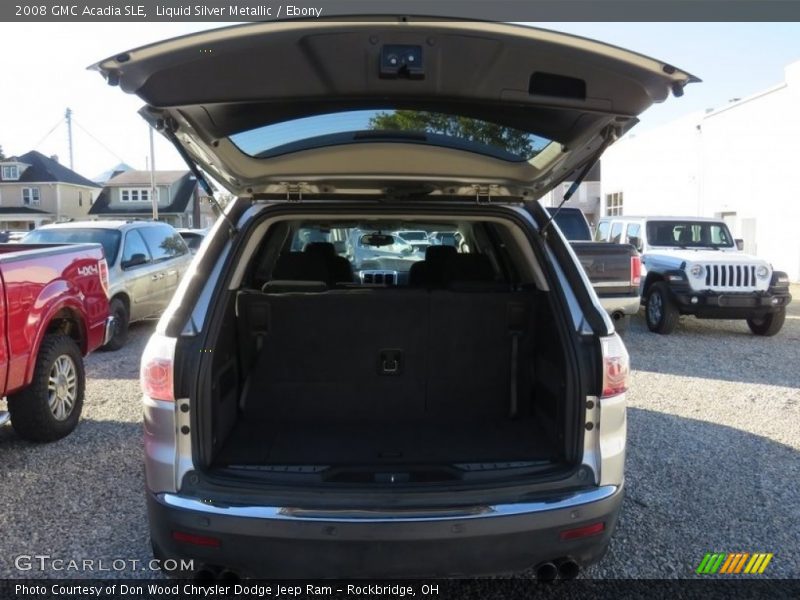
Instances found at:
x=386 y=516
x=611 y=284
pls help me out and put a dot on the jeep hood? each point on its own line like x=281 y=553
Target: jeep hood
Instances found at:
x=572 y=96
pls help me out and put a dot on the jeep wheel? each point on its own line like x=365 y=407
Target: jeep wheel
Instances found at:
x=50 y=407
x=660 y=311
x=768 y=324
x=121 y=318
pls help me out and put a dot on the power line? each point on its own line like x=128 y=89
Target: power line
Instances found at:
x=109 y=150
x=47 y=135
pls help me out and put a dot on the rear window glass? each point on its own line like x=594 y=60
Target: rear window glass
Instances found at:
x=602 y=231
x=388 y=125
x=108 y=238
x=572 y=224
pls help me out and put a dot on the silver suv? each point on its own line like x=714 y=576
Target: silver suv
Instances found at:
x=470 y=419
x=146 y=260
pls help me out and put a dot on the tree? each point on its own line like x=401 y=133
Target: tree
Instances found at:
x=474 y=130
x=2 y=156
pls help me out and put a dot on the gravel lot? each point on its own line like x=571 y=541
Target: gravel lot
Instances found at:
x=714 y=443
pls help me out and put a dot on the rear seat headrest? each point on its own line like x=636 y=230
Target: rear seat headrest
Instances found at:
x=468 y=268
x=325 y=249
x=300 y=266
x=438 y=254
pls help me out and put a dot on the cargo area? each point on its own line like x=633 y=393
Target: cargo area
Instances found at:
x=368 y=383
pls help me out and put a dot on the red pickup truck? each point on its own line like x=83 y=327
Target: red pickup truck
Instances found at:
x=53 y=312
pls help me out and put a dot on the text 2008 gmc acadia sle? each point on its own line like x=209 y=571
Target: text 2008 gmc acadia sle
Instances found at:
x=321 y=397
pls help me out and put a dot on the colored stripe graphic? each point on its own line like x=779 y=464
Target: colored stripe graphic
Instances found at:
x=733 y=562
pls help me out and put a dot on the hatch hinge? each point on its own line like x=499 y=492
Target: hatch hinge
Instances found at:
x=483 y=193
x=294 y=191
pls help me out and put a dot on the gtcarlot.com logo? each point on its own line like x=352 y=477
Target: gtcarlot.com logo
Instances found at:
x=47 y=562
x=732 y=563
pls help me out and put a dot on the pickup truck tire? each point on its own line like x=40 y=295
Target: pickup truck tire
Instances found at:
x=660 y=312
x=118 y=310
x=769 y=324
x=50 y=407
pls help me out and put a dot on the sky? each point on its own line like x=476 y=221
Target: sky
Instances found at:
x=47 y=73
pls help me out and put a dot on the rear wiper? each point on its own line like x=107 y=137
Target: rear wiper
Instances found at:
x=608 y=139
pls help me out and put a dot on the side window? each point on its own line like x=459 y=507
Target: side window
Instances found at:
x=633 y=235
x=616 y=233
x=164 y=242
x=601 y=235
x=135 y=252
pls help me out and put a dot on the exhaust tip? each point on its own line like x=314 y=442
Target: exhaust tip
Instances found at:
x=546 y=571
x=228 y=576
x=568 y=568
x=618 y=315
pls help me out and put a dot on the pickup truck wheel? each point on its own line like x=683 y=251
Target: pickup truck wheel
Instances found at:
x=118 y=309
x=660 y=312
x=50 y=407
x=769 y=324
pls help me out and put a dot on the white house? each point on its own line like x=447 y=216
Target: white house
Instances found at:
x=737 y=162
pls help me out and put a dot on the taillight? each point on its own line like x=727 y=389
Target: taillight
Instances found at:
x=102 y=267
x=157 y=366
x=636 y=270
x=196 y=540
x=616 y=366
x=582 y=532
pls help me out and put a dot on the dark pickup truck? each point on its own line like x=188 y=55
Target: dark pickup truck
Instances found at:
x=613 y=269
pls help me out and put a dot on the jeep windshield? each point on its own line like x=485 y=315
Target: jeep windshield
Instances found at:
x=689 y=234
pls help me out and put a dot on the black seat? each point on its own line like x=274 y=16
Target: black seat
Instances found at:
x=299 y=266
x=468 y=268
x=339 y=268
x=430 y=272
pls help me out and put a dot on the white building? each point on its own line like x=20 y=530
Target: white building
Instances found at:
x=738 y=162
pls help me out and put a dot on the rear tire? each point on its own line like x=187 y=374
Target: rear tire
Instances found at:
x=50 y=407
x=769 y=324
x=660 y=312
x=119 y=311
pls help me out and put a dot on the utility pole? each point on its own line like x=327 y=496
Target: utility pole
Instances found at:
x=153 y=195
x=68 y=117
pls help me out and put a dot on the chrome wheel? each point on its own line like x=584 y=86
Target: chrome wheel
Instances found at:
x=62 y=387
x=654 y=307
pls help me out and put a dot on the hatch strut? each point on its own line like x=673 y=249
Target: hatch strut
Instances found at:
x=608 y=139
x=204 y=183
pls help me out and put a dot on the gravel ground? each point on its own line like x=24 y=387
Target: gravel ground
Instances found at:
x=714 y=442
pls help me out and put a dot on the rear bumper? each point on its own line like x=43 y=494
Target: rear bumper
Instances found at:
x=274 y=542
x=108 y=330
x=628 y=305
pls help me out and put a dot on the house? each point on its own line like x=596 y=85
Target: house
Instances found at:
x=36 y=190
x=733 y=163
x=127 y=195
x=586 y=197
x=112 y=172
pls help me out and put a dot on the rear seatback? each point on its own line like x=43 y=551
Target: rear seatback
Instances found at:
x=322 y=354
x=331 y=354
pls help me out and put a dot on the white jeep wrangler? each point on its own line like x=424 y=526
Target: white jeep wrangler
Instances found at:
x=692 y=266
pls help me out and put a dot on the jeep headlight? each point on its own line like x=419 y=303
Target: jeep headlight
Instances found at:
x=762 y=272
x=697 y=271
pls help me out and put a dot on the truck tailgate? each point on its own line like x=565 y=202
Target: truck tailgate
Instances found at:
x=608 y=267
